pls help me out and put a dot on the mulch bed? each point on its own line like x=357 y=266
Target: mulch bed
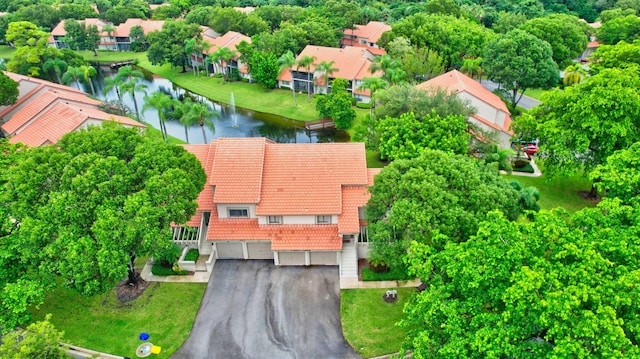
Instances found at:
x=126 y=292
x=587 y=196
x=362 y=263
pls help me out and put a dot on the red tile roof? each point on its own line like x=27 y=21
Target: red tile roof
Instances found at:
x=353 y=63
x=237 y=170
x=124 y=29
x=99 y=23
x=352 y=198
x=229 y=40
x=456 y=82
x=371 y=31
x=314 y=238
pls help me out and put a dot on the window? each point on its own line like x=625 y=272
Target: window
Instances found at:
x=323 y=219
x=238 y=212
x=274 y=219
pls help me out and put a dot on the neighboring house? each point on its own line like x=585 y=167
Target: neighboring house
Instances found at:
x=229 y=40
x=365 y=36
x=593 y=44
x=118 y=40
x=491 y=112
x=45 y=111
x=58 y=34
x=353 y=64
x=295 y=204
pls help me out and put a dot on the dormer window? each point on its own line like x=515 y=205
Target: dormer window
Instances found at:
x=238 y=212
x=323 y=219
x=274 y=219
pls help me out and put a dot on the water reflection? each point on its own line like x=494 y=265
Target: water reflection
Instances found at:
x=249 y=123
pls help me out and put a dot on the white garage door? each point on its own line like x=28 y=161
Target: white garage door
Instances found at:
x=259 y=250
x=229 y=249
x=291 y=258
x=323 y=258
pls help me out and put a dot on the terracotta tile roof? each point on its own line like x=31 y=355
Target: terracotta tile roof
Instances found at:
x=237 y=170
x=124 y=29
x=99 y=23
x=371 y=31
x=352 y=198
x=61 y=119
x=353 y=63
x=457 y=82
x=195 y=221
x=315 y=238
x=593 y=45
x=371 y=173
x=307 y=179
x=205 y=154
x=228 y=40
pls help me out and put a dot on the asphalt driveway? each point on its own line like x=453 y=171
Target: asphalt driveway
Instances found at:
x=253 y=309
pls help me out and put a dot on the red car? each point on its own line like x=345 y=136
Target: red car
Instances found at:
x=530 y=148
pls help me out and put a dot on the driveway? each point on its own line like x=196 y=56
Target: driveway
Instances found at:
x=253 y=309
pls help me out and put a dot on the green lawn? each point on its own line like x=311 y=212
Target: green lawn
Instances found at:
x=535 y=93
x=166 y=311
x=6 y=52
x=558 y=192
x=368 y=322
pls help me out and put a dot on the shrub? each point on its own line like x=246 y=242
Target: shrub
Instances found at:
x=363 y=105
x=397 y=273
x=169 y=256
x=285 y=88
x=159 y=269
x=522 y=166
x=192 y=255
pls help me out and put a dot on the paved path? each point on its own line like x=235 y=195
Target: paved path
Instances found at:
x=526 y=102
x=253 y=309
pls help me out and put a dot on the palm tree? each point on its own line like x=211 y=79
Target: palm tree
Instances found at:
x=573 y=74
x=125 y=73
x=201 y=114
x=307 y=61
x=390 y=68
x=161 y=102
x=207 y=61
x=326 y=68
x=179 y=112
x=223 y=55
x=73 y=74
x=131 y=87
x=112 y=83
x=191 y=47
x=87 y=73
x=472 y=68
x=58 y=65
x=287 y=61
x=373 y=84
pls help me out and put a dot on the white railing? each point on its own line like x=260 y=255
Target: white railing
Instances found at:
x=186 y=235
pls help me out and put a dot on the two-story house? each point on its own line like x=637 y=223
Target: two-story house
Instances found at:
x=351 y=63
x=491 y=113
x=295 y=204
x=365 y=36
x=229 y=40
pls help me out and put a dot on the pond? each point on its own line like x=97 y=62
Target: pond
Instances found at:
x=231 y=122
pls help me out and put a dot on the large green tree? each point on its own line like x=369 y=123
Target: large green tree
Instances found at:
x=167 y=45
x=620 y=29
x=558 y=286
x=566 y=34
x=263 y=67
x=41 y=340
x=406 y=136
x=619 y=175
x=8 y=90
x=337 y=105
x=435 y=193
x=84 y=209
x=519 y=61
x=32 y=48
x=621 y=55
x=582 y=125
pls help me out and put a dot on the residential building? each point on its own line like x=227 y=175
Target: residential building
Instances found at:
x=491 y=113
x=593 y=44
x=295 y=204
x=45 y=111
x=352 y=63
x=229 y=40
x=117 y=40
x=366 y=36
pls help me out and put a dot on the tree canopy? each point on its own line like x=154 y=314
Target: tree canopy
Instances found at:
x=558 y=286
x=619 y=175
x=435 y=193
x=167 y=45
x=519 y=61
x=582 y=125
x=85 y=208
x=337 y=105
x=566 y=34
x=8 y=90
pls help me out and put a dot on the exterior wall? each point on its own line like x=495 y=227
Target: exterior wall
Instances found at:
x=328 y=258
x=296 y=220
x=223 y=213
x=485 y=110
x=502 y=138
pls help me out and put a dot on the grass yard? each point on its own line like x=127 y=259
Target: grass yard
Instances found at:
x=368 y=322
x=558 y=192
x=535 y=93
x=6 y=52
x=165 y=310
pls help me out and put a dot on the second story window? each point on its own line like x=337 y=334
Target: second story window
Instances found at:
x=238 y=212
x=323 y=219
x=274 y=219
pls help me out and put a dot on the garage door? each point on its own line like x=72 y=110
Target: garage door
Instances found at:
x=229 y=249
x=324 y=258
x=259 y=250
x=291 y=258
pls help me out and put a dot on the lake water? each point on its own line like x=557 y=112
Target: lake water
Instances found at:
x=249 y=123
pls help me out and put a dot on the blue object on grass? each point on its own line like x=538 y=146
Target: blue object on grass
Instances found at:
x=144 y=336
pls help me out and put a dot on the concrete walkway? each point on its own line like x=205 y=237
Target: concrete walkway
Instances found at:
x=197 y=277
